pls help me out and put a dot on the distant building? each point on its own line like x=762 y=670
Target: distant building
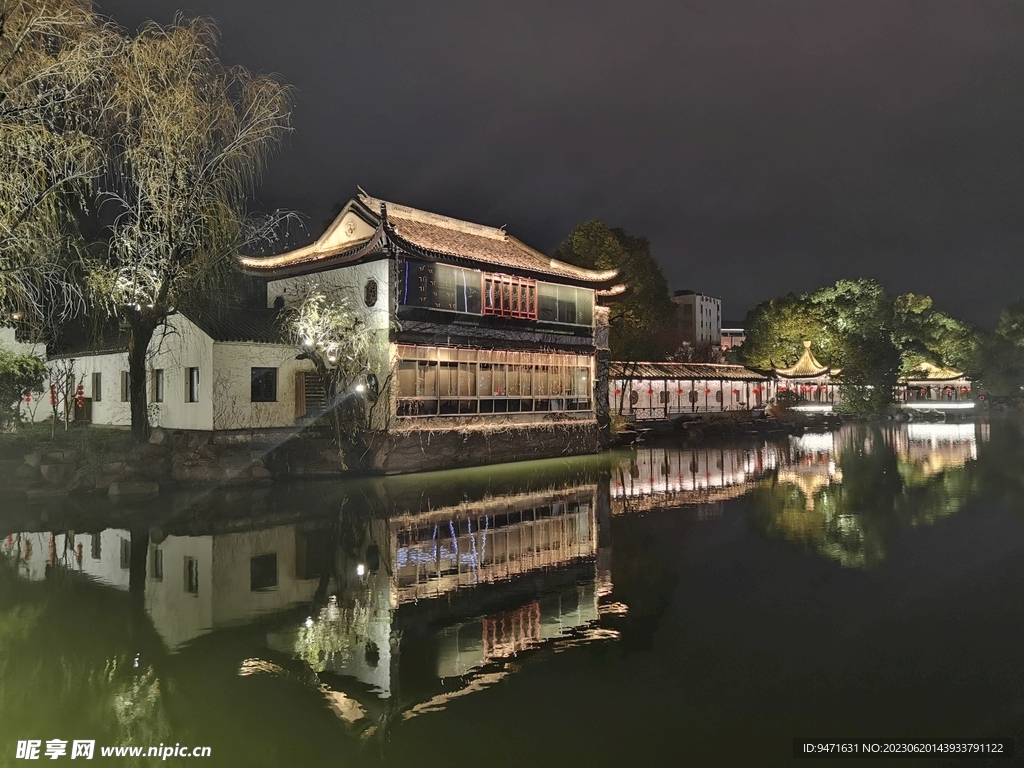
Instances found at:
x=733 y=334
x=700 y=317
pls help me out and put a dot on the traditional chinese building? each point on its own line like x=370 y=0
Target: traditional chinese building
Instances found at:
x=809 y=380
x=486 y=349
x=933 y=386
x=659 y=391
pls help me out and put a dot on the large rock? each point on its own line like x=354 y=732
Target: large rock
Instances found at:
x=58 y=474
x=59 y=457
x=40 y=494
x=133 y=488
x=9 y=466
x=27 y=472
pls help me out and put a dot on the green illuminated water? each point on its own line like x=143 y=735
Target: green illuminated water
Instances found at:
x=660 y=606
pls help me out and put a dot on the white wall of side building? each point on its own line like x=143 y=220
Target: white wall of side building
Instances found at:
x=175 y=349
x=224 y=382
x=232 y=385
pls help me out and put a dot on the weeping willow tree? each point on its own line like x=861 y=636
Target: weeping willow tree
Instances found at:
x=55 y=58
x=186 y=141
x=343 y=348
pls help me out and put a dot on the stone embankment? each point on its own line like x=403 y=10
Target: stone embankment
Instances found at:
x=168 y=460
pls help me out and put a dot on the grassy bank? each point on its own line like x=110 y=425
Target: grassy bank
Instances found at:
x=90 y=442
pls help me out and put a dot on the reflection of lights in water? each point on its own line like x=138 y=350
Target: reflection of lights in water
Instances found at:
x=813 y=442
x=940 y=406
x=360 y=569
x=957 y=433
x=813 y=408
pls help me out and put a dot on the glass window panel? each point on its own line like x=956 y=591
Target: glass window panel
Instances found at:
x=407 y=378
x=584 y=306
x=467 y=380
x=512 y=380
x=428 y=378
x=547 y=302
x=566 y=304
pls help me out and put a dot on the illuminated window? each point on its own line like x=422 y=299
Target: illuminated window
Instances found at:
x=438 y=381
x=509 y=296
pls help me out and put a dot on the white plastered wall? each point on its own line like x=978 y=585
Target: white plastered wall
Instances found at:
x=350 y=283
x=232 y=392
x=174 y=349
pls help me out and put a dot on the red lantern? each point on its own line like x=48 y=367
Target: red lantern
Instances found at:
x=80 y=396
x=650 y=391
x=679 y=391
x=735 y=391
x=618 y=391
x=964 y=390
x=53 y=395
x=783 y=389
x=707 y=391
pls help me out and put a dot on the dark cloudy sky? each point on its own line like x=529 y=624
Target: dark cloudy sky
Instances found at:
x=762 y=146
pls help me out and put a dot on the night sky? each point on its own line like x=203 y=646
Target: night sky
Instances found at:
x=762 y=146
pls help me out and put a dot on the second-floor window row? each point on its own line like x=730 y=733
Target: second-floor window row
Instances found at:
x=457 y=289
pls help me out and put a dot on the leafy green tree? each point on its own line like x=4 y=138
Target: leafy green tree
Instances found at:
x=19 y=374
x=642 y=325
x=855 y=326
x=776 y=331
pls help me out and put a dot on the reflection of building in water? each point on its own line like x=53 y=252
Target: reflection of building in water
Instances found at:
x=103 y=556
x=486 y=542
x=934 y=448
x=192 y=583
x=461 y=588
x=811 y=501
x=663 y=477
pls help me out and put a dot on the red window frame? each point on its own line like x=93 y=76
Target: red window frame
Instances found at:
x=512 y=296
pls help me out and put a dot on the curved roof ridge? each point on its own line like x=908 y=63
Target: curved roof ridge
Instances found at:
x=806 y=366
x=399 y=211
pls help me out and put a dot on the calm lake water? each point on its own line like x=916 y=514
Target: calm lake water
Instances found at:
x=660 y=606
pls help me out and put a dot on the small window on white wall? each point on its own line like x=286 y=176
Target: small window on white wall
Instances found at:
x=191 y=385
x=125 y=387
x=158 y=385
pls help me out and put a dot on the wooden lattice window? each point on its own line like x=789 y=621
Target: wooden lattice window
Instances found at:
x=509 y=296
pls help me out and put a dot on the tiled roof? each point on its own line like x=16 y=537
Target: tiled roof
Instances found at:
x=926 y=371
x=806 y=367
x=619 y=370
x=238 y=324
x=434 y=234
x=449 y=239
